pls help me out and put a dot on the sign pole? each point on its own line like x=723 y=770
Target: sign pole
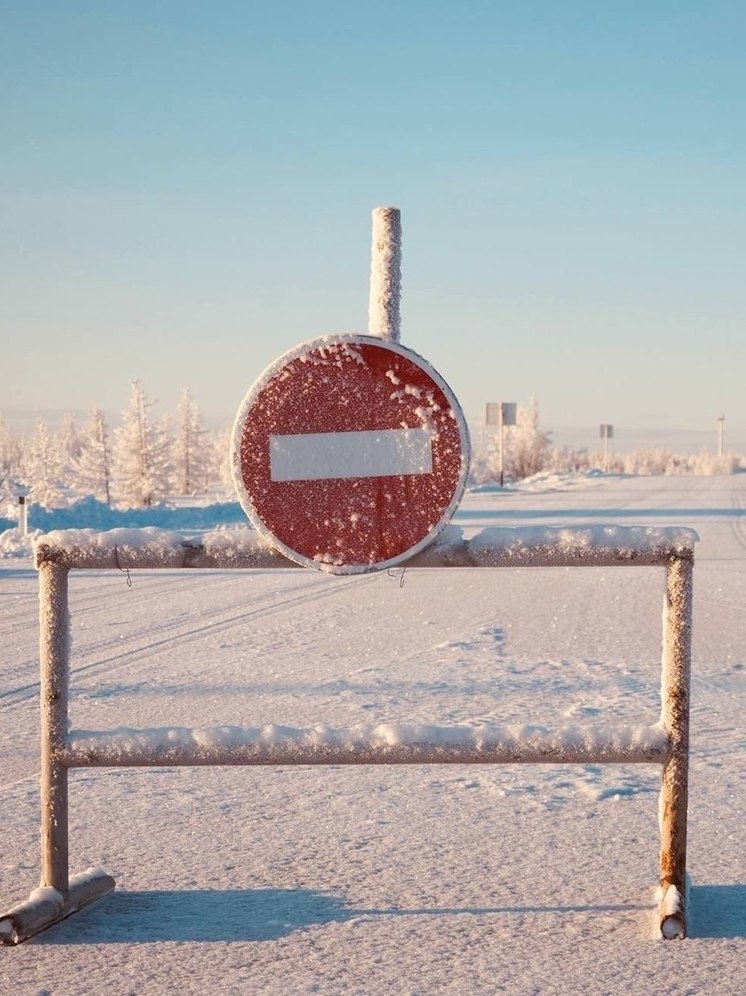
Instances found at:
x=501 y=414
x=502 y=447
x=384 y=318
x=607 y=433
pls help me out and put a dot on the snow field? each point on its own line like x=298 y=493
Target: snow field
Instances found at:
x=427 y=879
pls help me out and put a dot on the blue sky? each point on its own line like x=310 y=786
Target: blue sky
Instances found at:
x=186 y=192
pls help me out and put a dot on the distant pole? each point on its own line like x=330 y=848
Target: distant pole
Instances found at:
x=607 y=433
x=721 y=434
x=22 y=516
x=502 y=447
x=501 y=414
x=384 y=318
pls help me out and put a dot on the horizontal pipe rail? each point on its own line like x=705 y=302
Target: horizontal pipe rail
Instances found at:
x=454 y=745
x=244 y=548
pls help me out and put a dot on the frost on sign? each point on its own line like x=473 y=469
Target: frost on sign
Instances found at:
x=350 y=453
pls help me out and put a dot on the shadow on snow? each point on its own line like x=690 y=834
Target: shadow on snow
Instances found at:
x=718 y=911
x=235 y=915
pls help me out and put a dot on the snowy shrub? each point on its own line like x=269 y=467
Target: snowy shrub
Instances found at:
x=644 y=461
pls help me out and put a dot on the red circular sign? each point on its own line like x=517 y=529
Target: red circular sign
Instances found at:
x=350 y=453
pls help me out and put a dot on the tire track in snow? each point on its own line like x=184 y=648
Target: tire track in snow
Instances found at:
x=84 y=601
x=738 y=523
x=715 y=727
x=142 y=644
x=79 y=606
x=712 y=730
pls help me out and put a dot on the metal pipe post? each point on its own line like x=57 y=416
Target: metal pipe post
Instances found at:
x=54 y=649
x=384 y=318
x=675 y=698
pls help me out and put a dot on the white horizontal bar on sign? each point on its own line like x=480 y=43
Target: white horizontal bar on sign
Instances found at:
x=319 y=456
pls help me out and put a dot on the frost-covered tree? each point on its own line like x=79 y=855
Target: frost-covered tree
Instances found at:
x=68 y=444
x=10 y=455
x=222 y=450
x=141 y=457
x=68 y=438
x=527 y=445
x=42 y=467
x=92 y=466
x=192 y=456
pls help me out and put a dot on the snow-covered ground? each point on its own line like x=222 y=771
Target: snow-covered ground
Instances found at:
x=517 y=879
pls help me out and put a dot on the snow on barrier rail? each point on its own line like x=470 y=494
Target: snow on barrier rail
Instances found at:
x=666 y=743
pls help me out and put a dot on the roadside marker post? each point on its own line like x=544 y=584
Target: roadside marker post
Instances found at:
x=502 y=414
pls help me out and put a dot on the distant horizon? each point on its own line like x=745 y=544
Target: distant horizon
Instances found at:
x=691 y=439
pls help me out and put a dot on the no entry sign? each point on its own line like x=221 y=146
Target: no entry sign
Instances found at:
x=350 y=453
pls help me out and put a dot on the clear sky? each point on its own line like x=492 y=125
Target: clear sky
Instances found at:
x=187 y=187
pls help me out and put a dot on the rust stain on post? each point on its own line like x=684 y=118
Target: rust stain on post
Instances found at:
x=675 y=698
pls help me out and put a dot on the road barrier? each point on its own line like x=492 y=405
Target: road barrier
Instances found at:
x=666 y=743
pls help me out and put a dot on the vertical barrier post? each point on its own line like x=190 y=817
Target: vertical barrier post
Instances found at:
x=54 y=650
x=384 y=318
x=675 y=697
